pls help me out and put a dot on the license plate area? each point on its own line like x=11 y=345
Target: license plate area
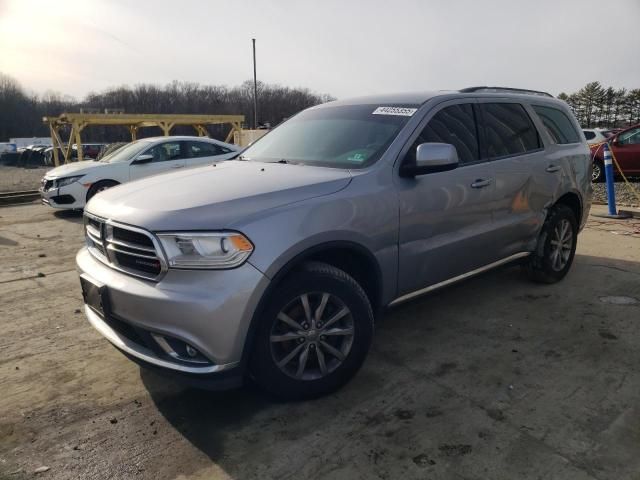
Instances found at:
x=95 y=295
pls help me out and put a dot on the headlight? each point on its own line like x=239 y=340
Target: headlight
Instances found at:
x=206 y=250
x=62 y=182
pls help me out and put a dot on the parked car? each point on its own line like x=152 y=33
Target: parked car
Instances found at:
x=275 y=265
x=70 y=186
x=625 y=145
x=89 y=150
x=595 y=135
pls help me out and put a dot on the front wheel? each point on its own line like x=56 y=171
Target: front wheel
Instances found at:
x=314 y=335
x=553 y=256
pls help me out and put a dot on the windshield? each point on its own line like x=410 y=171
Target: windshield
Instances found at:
x=351 y=136
x=126 y=153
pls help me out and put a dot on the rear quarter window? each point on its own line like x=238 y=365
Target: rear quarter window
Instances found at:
x=558 y=125
x=589 y=135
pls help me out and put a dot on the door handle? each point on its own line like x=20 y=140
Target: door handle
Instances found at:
x=552 y=168
x=177 y=166
x=481 y=183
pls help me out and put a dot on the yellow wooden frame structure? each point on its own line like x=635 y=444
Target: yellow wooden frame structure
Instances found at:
x=133 y=121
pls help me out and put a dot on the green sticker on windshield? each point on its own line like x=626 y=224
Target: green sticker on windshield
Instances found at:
x=358 y=157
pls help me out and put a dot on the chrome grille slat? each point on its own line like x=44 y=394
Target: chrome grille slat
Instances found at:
x=94 y=235
x=140 y=255
x=122 y=243
x=140 y=260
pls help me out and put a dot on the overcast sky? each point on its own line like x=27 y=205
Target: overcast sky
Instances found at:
x=345 y=48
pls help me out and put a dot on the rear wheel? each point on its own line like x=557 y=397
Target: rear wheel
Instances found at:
x=314 y=334
x=597 y=174
x=553 y=256
x=99 y=187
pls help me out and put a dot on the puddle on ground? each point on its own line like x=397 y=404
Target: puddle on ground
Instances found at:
x=620 y=300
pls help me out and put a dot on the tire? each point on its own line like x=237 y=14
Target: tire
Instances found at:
x=545 y=265
x=99 y=187
x=322 y=370
x=598 y=172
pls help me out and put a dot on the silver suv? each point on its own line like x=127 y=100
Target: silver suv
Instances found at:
x=275 y=265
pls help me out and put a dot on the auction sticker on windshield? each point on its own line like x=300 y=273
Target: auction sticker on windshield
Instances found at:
x=402 y=111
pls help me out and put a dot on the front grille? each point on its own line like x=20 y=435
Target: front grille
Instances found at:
x=128 y=249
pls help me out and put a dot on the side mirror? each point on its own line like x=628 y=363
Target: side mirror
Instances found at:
x=144 y=158
x=431 y=158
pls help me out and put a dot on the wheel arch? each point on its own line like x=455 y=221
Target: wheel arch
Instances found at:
x=351 y=257
x=102 y=180
x=574 y=202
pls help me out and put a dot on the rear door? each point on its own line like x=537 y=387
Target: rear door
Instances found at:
x=167 y=156
x=445 y=217
x=204 y=153
x=527 y=177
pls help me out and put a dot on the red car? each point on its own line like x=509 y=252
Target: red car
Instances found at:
x=625 y=145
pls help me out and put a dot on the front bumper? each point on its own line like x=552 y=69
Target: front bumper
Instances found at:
x=209 y=309
x=71 y=197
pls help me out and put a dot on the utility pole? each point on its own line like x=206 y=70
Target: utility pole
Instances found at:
x=255 y=87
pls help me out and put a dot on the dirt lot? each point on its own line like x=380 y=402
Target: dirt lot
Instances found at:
x=493 y=378
x=13 y=179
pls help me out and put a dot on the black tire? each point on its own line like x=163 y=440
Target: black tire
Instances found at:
x=598 y=172
x=100 y=186
x=543 y=266
x=316 y=280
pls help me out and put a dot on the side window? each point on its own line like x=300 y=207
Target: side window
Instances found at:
x=558 y=125
x=166 y=151
x=455 y=125
x=630 y=137
x=204 y=149
x=508 y=130
x=589 y=135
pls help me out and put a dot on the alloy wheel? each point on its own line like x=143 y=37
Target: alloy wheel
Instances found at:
x=561 y=245
x=596 y=172
x=312 y=336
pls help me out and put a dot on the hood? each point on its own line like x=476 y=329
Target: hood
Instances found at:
x=75 y=168
x=214 y=197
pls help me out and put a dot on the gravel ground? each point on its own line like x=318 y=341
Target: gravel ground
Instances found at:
x=495 y=378
x=624 y=193
x=13 y=179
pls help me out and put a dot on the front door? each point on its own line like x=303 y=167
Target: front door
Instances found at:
x=445 y=217
x=167 y=157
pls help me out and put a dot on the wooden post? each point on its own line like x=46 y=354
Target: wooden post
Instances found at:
x=67 y=151
x=55 y=142
x=78 y=129
x=133 y=129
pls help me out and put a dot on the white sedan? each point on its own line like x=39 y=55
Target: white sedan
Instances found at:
x=71 y=186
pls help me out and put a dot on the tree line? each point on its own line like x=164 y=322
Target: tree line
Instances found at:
x=21 y=113
x=598 y=106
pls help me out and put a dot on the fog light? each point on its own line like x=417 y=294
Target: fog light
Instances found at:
x=180 y=350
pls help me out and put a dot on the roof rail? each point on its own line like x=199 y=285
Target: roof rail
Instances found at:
x=505 y=90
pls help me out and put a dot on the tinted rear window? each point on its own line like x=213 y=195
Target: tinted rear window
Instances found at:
x=508 y=130
x=558 y=125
